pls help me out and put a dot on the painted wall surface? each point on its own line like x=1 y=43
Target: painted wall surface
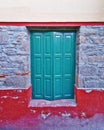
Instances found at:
x=54 y=10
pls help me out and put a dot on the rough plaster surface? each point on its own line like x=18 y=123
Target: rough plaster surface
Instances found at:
x=15 y=57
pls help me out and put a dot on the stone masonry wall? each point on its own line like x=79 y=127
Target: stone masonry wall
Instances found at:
x=14 y=57
x=90 y=57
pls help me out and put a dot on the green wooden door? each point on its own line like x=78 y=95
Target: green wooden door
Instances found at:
x=53 y=65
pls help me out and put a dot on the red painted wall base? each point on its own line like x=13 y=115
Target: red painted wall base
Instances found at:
x=90 y=101
x=15 y=103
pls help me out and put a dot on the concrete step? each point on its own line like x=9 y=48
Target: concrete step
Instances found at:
x=55 y=103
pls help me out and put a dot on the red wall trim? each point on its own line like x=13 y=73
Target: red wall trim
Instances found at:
x=51 y=24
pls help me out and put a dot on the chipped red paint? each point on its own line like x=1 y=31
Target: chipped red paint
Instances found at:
x=15 y=103
x=90 y=101
x=52 y=24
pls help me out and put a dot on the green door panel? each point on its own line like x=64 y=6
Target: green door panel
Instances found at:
x=47 y=65
x=68 y=65
x=36 y=62
x=53 y=65
x=57 y=65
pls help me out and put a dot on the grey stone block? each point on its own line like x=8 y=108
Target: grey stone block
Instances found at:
x=88 y=70
x=16 y=81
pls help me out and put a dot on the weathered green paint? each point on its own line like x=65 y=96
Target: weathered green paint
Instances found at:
x=53 y=65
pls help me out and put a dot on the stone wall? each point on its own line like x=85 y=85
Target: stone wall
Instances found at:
x=14 y=57
x=90 y=57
